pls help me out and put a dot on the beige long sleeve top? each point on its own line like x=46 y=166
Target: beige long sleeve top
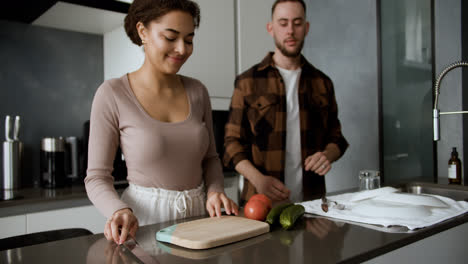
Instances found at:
x=173 y=156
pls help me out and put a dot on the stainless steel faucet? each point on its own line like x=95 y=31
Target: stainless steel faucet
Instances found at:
x=436 y=111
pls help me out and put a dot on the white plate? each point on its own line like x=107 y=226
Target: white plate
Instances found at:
x=363 y=195
x=412 y=199
x=372 y=208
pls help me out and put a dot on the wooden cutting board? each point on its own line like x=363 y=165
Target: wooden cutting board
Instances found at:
x=212 y=232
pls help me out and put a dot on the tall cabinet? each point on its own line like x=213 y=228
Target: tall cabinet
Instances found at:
x=406 y=90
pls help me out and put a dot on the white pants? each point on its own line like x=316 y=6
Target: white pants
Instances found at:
x=155 y=205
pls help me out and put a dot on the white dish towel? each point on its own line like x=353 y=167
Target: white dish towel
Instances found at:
x=377 y=212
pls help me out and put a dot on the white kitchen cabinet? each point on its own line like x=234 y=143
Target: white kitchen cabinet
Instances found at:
x=120 y=54
x=213 y=59
x=77 y=217
x=12 y=226
x=448 y=246
x=254 y=42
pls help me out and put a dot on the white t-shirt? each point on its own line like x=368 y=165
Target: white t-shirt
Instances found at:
x=293 y=157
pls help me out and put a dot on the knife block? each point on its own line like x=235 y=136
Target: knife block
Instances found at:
x=12 y=155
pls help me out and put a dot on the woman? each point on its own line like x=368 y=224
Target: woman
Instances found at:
x=163 y=124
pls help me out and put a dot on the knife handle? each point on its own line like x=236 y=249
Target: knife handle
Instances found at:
x=16 y=128
x=7 y=128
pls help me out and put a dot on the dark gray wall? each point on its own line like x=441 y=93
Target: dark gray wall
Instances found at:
x=48 y=77
x=342 y=42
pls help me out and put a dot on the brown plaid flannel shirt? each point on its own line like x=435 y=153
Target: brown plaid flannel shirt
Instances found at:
x=256 y=128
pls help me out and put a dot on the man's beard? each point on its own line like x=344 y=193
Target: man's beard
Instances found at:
x=290 y=54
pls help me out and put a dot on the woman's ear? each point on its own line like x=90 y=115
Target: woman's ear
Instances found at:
x=142 y=31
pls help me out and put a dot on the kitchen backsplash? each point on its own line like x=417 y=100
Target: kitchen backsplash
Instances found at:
x=48 y=77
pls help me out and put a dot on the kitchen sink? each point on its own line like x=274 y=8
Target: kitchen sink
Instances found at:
x=456 y=192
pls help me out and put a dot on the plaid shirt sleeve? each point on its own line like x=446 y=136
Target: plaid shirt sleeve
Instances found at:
x=236 y=146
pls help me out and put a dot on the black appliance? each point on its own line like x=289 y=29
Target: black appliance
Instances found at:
x=220 y=118
x=53 y=173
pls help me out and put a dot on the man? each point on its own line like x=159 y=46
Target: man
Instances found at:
x=283 y=131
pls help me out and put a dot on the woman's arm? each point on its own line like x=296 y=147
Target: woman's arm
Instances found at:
x=102 y=146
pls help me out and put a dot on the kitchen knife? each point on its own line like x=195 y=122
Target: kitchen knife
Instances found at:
x=16 y=128
x=132 y=252
x=8 y=128
x=127 y=256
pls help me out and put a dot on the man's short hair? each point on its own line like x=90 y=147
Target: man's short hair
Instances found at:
x=282 y=1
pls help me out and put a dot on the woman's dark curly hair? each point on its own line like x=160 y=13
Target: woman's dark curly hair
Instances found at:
x=145 y=11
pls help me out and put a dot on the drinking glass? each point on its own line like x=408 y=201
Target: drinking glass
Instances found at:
x=369 y=179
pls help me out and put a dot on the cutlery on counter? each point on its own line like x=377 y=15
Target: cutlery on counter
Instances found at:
x=327 y=204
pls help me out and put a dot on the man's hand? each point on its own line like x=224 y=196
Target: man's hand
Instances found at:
x=318 y=163
x=271 y=187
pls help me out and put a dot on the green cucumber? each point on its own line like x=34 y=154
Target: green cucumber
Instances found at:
x=275 y=213
x=289 y=215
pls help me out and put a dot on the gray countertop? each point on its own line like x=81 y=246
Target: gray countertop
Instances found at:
x=31 y=200
x=317 y=240
x=314 y=239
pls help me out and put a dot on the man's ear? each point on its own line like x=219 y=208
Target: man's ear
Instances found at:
x=269 y=28
x=307 y=27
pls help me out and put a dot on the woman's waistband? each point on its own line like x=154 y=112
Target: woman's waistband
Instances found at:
x=200 y=190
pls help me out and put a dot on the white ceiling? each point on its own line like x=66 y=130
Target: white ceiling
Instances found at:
x=80 y=18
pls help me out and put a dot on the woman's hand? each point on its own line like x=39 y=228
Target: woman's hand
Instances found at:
x=120 y=225
x=216 y=200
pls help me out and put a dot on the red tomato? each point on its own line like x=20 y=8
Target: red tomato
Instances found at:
x=263 y=198
x=256 y=210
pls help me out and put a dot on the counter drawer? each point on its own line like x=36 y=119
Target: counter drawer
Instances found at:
x=77 y=217
x=12 y=226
